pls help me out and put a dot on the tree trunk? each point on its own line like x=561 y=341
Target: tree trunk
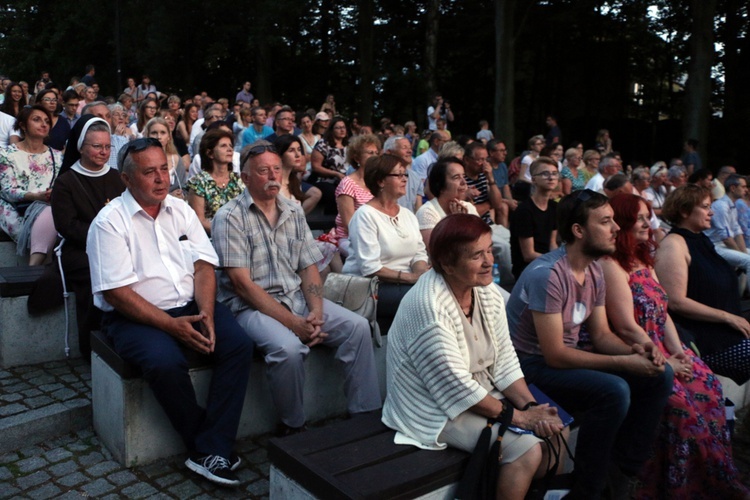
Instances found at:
x=504 y=110
x=366 y=63
x=698 y=87
x=733 y=115
x=430 y=49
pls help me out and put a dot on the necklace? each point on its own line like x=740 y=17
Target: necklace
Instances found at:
x=471 y=307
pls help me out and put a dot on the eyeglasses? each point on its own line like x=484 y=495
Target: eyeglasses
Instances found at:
x=151 y=107
x=548 y=174
x=49 y=99
x=249 y=152
x=400 y=176
x=135 y=146
x=99 y=147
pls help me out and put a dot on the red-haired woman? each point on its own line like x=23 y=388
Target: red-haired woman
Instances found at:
x=693 y=452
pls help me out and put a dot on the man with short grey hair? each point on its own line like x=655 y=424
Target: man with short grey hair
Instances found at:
x=398 y=145
x=270 y=281
x=608 y=167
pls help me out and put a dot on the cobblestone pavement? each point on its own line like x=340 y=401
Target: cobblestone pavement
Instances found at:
x=77 y=465
x=33 y=387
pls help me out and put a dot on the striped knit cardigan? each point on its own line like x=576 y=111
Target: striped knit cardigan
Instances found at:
x=428 y=377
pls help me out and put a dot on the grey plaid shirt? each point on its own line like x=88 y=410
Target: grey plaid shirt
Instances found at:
x=243 y=237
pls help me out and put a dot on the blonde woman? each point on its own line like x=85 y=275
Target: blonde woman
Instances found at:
x=157 y=128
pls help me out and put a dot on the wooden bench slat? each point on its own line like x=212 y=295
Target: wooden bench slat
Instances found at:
x=406 y=476
x=358 y=459
x=356 y=455
x=18 y=281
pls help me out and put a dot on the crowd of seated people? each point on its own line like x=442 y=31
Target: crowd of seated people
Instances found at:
x=237 y=184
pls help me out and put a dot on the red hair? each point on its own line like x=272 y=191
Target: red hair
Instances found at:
x=451 y=235
x=628 y=252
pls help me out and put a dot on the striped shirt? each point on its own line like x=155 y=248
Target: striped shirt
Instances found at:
x=243 y=237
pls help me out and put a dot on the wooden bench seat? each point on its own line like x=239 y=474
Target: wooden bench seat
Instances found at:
x=357 y=459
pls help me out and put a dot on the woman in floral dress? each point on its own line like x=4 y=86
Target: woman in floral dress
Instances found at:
x=692 y=455
x=216 y=183
x=27 y=171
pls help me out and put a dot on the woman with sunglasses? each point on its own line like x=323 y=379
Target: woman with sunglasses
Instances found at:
x=77 y=197
x=385 y=238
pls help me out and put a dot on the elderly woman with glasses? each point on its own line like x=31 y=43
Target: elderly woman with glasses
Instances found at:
x=571 y=178
x=385 y=238
x=77 y=197
x=451 y=364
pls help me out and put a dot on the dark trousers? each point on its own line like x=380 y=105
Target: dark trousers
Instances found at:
x=209 y=431
x=618 y=415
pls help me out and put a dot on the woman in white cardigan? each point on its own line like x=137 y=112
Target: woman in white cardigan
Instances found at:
x=450 y=361
x=384 y=237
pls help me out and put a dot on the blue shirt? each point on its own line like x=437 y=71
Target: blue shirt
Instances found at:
x=250 y=135
x=724 y=223
x=501 y=175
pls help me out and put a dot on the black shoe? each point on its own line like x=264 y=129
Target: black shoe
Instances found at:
x=283 y=430
x=214 y=468
x=234 y=461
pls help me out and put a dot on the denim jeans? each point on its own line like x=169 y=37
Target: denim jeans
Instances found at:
x=161 y=358
x=618 y=416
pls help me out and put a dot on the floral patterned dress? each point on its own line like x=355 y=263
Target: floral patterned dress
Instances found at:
x=205 y=186
x=20 y=173
x=692 y=455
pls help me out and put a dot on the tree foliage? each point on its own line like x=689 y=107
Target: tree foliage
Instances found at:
x=578 y=59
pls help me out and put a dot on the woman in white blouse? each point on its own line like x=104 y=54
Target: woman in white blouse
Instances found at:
x=385 y=238
x=448 y=183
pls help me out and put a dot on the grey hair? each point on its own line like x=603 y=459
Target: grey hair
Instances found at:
x=639 y=172
x=125 y=161
x=116 y=107
x=390 y=143
x=86 y=108
x=726 y=169
x=675 y=171
x=451 y=149
x=606 y=162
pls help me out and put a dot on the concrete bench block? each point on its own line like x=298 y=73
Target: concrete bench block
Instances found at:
x=28 y=340
x=135 y=429
x=8 y=257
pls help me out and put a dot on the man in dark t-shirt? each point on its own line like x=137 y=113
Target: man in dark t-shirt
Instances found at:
x=533 y=225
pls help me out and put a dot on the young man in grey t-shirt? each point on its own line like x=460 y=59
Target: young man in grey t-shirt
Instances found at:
x=617 y=391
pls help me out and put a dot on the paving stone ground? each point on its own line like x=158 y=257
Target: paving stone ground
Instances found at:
x=32 y=387
x=77 y=465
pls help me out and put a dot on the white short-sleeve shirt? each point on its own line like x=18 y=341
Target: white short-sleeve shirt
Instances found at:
x=154 y=257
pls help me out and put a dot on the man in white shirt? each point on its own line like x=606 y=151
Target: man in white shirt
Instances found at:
x=608 y=167
x=152 y=273
x=439 y=109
